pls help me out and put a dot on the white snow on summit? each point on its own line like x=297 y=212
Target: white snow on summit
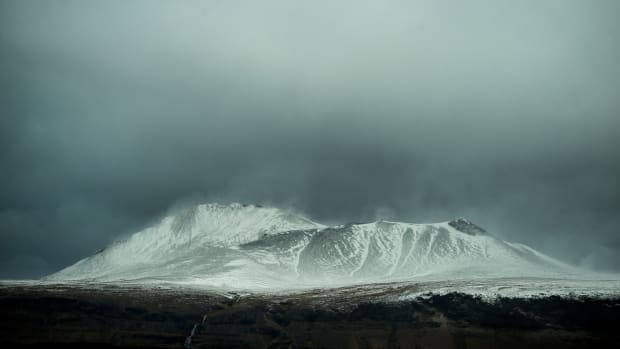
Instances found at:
x=252 y=247
x=201 y=232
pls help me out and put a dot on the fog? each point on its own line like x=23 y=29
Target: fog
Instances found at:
x=504 y=112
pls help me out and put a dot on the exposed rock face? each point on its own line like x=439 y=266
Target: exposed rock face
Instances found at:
x=467 y=227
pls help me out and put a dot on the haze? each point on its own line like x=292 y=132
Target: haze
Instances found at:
x=114 y=112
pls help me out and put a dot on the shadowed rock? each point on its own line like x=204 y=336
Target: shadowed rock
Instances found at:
x=465 y=226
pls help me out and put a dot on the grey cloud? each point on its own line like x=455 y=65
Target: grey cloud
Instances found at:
x=501 y=111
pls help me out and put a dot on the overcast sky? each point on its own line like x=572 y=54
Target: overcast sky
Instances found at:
x=505 y=112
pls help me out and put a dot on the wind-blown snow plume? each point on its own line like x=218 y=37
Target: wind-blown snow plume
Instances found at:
x=246 y=246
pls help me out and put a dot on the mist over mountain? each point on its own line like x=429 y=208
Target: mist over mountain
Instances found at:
x=504 y=112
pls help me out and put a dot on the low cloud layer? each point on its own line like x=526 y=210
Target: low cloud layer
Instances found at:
x=500 y=111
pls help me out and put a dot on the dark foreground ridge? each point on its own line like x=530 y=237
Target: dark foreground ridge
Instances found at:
x=105 y=316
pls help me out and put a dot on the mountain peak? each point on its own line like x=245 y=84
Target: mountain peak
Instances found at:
x=230 y=206
x=265 y=247
x=464 y=225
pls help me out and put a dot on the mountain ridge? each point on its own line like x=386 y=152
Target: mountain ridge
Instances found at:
x=263 y=247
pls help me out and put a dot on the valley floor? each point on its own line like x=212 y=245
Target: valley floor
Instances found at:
x=393 y=315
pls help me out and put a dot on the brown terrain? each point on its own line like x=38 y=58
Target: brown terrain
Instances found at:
x=107 y=316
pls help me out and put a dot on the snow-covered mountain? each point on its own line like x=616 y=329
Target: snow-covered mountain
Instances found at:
x=246 y=246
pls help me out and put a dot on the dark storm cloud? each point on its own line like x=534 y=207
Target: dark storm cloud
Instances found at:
x=502 y=111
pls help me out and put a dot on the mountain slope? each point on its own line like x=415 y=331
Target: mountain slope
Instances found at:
x=203 y=235
x=255 y=247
